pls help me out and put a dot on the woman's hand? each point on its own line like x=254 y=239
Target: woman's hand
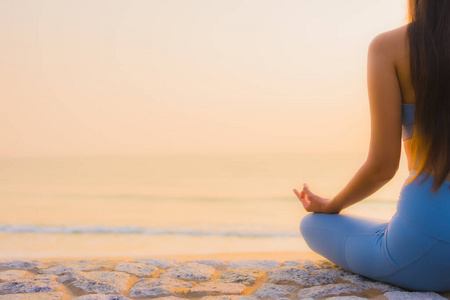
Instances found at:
x=314 y=203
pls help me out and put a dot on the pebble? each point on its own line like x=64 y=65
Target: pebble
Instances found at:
x=328 y=290
x=37 y=296
x=270 y=290
x=246 y=276
x=100 y=282
x=162 y=263
x=304 y=263
x=286 y=274
x=216 y=288
x=298 y=275
x=170 y=298
x=256 y=264
x=190 y=271
x=30 y=284
x=154 y=287
x=12 y=274
x=18 y=264
x=326 y=264
x=332 y=272
x=369 y=284
x=61 y=269
x=101 y=297
x=229 y=297
x=218 y=264
x=346 y=298
x=314 y=280
x=413 y=296
x=138 y=269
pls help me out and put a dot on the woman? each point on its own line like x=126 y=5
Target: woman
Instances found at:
x=409 y=96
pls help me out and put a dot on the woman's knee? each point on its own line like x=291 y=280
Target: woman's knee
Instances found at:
x=319 y=229
x=307 y=222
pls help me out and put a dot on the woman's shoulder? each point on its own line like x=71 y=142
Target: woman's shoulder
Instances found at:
x=392 y=43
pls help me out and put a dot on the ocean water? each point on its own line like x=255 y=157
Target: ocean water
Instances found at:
x=118 y=206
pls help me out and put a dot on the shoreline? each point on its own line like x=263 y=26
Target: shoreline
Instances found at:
x=228 y=256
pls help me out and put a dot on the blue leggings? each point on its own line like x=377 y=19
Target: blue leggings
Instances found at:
x=412 y=250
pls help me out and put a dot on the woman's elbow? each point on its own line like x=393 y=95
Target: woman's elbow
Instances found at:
x=388 y=174
x=382 y=171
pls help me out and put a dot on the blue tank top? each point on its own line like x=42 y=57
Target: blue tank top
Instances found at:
x=408 y=110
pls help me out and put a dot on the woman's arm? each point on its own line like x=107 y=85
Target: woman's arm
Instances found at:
x=385 y=102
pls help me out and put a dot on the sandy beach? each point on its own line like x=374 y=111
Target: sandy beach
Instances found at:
x=221 y=276
x=278 y=256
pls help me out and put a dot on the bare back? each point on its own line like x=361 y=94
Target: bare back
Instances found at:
x=400 y=51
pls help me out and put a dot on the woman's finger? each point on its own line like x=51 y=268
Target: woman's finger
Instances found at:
x=302 y=199
x=307 y=191
x=305 y=203
x=299 y=195
x=305 y=196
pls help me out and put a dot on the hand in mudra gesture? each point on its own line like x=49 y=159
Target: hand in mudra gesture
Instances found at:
x=314 y=203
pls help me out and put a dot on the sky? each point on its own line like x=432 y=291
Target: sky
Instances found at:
x=175 y=76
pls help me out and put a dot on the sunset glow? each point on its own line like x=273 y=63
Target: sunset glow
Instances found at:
x=137 y=77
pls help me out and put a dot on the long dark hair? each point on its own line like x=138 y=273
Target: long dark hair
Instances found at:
x=429 y=43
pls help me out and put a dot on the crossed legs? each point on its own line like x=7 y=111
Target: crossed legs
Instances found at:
x=353 y=243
